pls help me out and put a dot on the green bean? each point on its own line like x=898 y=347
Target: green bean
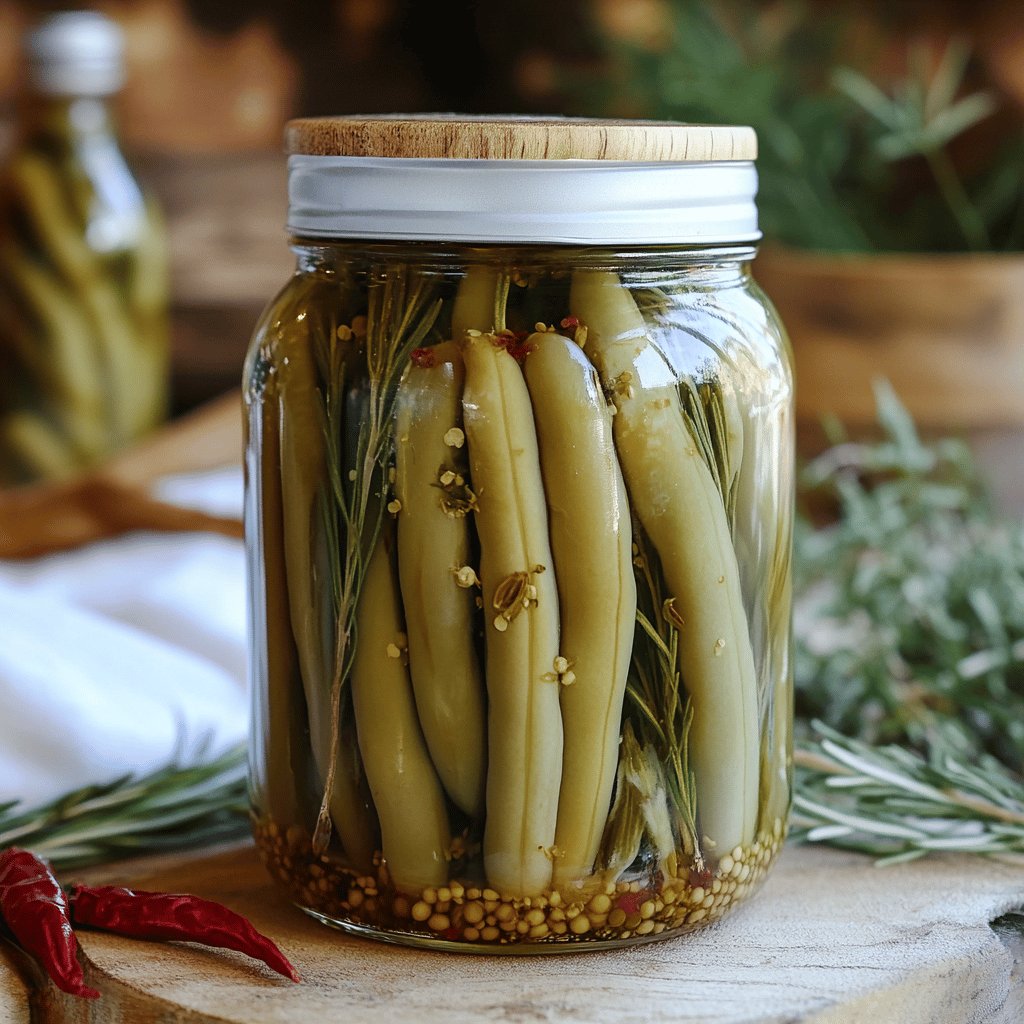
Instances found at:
x=146 y=296
x=591 y=541
x=764 y=537
x=146 y=286
x=778 y=755
x=433 y=545
x=521 y=609
x=275 y=665
x=65 y=366
x=681 y=510
x=36 y=444
x=303 y=475
x=42 y=198
x=415 y=837
x=762 y=534
x=478 y=302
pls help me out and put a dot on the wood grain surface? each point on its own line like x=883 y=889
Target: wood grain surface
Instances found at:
x=14 y=991
x=947 y=332
x=39 y=519
x=829 y=939
x=461 y=137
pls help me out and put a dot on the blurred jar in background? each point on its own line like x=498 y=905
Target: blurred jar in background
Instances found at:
x=83 y=265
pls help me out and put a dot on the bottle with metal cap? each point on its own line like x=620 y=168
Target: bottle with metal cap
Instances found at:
x=83 y=265
x=518 y=513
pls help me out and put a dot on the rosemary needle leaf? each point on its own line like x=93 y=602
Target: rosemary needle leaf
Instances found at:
x=171 y=808
x=909 y=642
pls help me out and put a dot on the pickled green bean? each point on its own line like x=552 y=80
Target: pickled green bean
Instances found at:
x=681 y=510
x=415 y=837
x=591 y=538
x=61 y=361
x=433 y=545
x=302 y=475
x=521 y=614
x=39 y=192
x=37 y=445
x=280 y=729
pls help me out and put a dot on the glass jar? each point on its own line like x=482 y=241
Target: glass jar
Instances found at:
x=83 y=266
x=519 y=506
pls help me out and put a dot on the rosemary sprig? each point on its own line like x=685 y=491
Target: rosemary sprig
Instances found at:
x=171 y=808
x=921 y=118
x=899 y=805
x=704 y=412
x=654 y=764
x=839 y=153
x=400 y=316
x=910 y=646
x=910 y=609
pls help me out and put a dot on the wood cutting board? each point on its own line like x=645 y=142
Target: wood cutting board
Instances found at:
x=830 y=939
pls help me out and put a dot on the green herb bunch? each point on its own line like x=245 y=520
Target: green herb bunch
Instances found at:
x=909 y=627
x=174 y=807
x=910 y=608
x=844 y=164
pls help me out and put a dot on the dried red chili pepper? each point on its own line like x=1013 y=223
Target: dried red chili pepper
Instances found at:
x=514 y=343
x=33 y=905
x=162 y=915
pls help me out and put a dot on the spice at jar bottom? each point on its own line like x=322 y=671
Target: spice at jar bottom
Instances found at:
x=463 y=912
x=519 y=532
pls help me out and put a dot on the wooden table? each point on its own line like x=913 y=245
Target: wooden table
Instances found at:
x=831 y=939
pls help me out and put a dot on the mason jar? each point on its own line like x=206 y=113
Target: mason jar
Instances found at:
x=519 y=513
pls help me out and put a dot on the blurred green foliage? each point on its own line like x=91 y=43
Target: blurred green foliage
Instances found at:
x=910 y=610
x=845 y=164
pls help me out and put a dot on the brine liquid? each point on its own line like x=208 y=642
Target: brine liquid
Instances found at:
x=406 y=774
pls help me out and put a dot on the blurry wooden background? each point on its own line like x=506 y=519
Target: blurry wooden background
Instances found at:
x=210 y=84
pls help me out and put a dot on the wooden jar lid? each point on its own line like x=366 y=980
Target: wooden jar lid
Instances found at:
x=464 y=137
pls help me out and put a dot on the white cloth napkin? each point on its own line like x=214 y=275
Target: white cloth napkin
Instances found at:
x=123 y=655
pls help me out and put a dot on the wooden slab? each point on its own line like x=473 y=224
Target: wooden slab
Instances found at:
x=830 y=939
x=14 y=992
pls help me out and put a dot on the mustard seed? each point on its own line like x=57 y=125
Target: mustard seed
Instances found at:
x=579 y=925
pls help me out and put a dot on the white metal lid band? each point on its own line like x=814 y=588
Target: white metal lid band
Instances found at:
x=589 y=202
